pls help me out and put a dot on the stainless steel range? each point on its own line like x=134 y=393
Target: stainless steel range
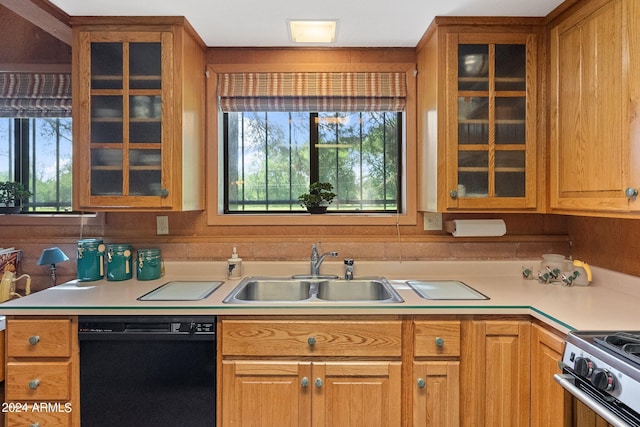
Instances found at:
x=602 y=370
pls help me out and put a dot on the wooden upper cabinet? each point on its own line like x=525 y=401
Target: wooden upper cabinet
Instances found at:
x=477 y=109
x=595 y=109
x=138 y=115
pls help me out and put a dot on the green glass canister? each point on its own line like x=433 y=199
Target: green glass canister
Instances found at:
x=148 y=264
x=119 y=262
x=90 y=260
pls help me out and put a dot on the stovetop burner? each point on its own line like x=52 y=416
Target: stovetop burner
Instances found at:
x=624 y=344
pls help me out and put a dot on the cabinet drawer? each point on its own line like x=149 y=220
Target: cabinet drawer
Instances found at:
x=436 y=338
x=38 y=381
x=315 y=338
x=39 y=338
x=53 y=415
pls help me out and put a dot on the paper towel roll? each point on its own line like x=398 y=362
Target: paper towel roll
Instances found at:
x=478 y=227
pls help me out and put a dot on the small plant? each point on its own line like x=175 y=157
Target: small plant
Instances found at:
x=12 y=193
x=320 y=195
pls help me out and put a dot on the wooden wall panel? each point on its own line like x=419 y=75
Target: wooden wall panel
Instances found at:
x=24 y=43
x=607 y=242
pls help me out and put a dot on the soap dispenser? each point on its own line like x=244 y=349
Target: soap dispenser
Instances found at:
x=234 y=264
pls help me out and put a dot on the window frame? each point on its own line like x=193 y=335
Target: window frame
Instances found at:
x=42 y=218
x=215 y=155
x=314 y=167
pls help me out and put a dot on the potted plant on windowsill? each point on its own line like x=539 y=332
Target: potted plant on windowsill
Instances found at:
x=318 y=197
x=11 y=196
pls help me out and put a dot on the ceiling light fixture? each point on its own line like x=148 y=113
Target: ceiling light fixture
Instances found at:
x=313 y=31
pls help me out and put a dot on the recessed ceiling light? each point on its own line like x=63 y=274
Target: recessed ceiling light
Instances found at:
x=313 y=31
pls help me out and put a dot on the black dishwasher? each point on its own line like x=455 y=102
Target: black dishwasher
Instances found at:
x=147 y=371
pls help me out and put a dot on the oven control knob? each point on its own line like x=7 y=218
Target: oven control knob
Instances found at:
x=583 y=367
x=603 y=380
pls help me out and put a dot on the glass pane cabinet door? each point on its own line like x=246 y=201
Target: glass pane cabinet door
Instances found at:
x=491 y=121
x=126 y=118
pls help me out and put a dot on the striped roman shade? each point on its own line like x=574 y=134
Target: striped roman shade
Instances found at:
x=352 y=91
x=35 y=94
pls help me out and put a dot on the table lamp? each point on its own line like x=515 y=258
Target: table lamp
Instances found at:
x=52 y=256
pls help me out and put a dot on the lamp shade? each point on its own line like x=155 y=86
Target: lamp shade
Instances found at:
x=52 y=256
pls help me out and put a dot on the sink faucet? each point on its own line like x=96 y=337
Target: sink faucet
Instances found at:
x=348 y=269
x=316 y=260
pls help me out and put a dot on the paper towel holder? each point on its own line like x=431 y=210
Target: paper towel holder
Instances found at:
x=476 y=227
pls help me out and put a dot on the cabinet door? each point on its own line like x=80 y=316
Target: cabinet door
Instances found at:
x=266 y=394
x=595 y=101
x=436 y=391
x=357 y=394
x=491 y=108
x=550 y=405
x=583 y=416
x=123 y=123
x=496 y=377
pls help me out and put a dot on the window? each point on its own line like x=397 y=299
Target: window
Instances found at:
x=35 y=137
x=37 y=153
x=272 y=157
x=286 y=130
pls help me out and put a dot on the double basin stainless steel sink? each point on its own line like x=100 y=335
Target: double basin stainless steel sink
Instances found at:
x=312 y=288
x=305 y=289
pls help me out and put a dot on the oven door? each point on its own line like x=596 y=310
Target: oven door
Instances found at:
x=615 y=413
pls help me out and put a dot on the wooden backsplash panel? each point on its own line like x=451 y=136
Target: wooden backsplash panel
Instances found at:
x=607 y=242
x=190 y=238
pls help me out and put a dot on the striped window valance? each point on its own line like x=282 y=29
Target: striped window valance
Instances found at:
x=35 y=94
x=314 y=91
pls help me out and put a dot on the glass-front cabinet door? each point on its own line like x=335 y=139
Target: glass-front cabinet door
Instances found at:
x=491 y=157
x=125 y=143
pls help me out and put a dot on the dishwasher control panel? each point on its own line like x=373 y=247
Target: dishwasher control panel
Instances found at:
x=146 y=326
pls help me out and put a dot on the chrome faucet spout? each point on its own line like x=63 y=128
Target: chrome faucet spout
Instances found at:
x=316 y=259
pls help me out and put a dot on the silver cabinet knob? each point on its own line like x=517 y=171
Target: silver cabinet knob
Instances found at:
x=453 y=194
x=318 y=382
x=439 y=342
x=311 y=341
x=631 y=192
x=304 y=382
x=35 y=425
x=34 y=339
x=33 y=384
x=164 y=193
x=421 y=383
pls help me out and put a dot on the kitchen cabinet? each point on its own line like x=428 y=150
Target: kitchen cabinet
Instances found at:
x=477 y=115
x=495 y=371
x=550 y=405
x=435 y=383
x=42 y=372
x=294 y=372
x=595 y=109
x=583 y=416
x=138 y=114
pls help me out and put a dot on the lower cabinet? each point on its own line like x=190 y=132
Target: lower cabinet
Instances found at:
x=436 y=394
x=550 y=405
x=435 y=382
x=495 y=371
x=321 y=373
x=280 y=393
x=386 y=371
x=41 y=386
x=583 y=416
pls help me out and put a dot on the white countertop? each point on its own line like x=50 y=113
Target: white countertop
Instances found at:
x=610 y=303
